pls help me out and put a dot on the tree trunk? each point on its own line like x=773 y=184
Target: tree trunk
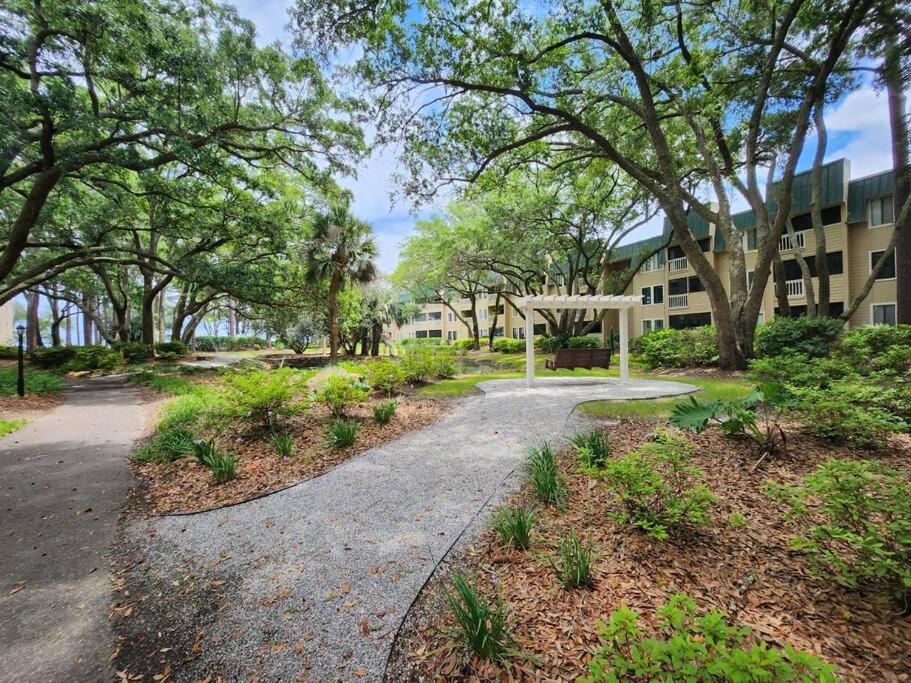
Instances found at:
x=804 y=271
x=377 y=335
x=232 y=321
x=896 y=87
x=55 y=321
x=32 y=334
x=28 y=216
x=332 y=305
x=781 y=290
x=161 y=316
x=823 y=295
x=68 y=330
x=147 y=311
x=86 y=321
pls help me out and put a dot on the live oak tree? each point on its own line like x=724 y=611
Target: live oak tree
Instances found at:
x=91 y=87
x=682 y=98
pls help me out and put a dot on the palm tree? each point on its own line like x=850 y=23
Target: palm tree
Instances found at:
x=342 y=250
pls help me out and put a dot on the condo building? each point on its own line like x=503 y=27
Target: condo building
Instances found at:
x=857 y=215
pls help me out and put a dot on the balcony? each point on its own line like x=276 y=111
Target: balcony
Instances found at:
x=785 y=244
x=794 y=288
x=675 y=265
x=677 y=300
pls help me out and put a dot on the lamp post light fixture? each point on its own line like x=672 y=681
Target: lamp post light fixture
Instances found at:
x=20 y=384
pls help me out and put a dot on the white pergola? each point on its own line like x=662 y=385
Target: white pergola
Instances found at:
x=595 y=301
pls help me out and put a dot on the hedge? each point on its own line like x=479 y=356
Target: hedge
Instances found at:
x=671 y=348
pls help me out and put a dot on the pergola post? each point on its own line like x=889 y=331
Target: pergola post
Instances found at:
x=624 y=343
x=529 y=345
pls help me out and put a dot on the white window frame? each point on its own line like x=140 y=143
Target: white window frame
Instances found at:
x=452 y=335
x=870 y=201
x=482 y=314
x=450 y=316
x=651 y=295
x=653 y=325
x=883 y=303
x=518 y=332
x=483 y=331
x=870 y=265
x=650 y=264
x=646 y=326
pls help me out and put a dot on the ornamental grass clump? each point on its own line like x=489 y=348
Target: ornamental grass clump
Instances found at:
x=545 y=477
x=384 y=412
x=592 y=449
x=514 y=526
x=656 y=488
x=482 y=626
x=692 y=647
x=167 y=446
x=854 y=520
x=221 y=463
x=574 y=562
x=342 y=433
x=283 y=442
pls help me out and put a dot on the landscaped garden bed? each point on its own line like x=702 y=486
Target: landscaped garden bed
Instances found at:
x=731 y=552
x=227 y=437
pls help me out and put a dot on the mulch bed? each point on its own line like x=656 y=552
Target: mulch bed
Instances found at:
x=29 y=406
x=187 y=486
x=748 y=572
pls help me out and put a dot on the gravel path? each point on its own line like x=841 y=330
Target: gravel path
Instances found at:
x=64 y=477
x=315 y=580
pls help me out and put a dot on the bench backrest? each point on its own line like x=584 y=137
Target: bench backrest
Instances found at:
x=582 y=358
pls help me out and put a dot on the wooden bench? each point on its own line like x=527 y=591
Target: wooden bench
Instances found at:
x=570 y=359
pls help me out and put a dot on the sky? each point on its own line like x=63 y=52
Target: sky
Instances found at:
x=858 y=129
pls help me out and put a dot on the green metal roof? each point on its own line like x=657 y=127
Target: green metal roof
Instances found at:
x=862 y=190
x=634 y=250
x=833 y=188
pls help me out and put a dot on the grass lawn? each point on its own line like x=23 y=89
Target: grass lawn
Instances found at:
x=36 y=381
x=9 y=426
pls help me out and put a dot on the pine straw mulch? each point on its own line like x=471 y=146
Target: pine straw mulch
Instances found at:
x=747 y=572
x=187 y=486
x=29 y=406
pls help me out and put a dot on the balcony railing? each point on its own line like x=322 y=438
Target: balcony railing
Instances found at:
x=677 y=301
x=785 y=244
x=676 y=264
x=794 y=288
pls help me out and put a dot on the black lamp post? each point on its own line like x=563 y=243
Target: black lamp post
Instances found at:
x=20 y=385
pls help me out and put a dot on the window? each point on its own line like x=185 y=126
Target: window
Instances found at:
x=695 y=284
x=649 y=325
x=887 y=272
x=834 y=259
x=751 y=275
x=677 y=286
x=482 y=314
x=646 y=326
x=650 y=264
x=830 y=216
x=452 y=335
x=881 y=211
x=421 y=334
x=435 y=334
x=483 y=332
x=680 y=322
x=450 y=316
x=883 y=314
x=518 y=333
x=653 y=295
x=435 y=315
x=750 y=240
x=498 y=332
x=646 y=296
x=420 y=317
x=760 y=318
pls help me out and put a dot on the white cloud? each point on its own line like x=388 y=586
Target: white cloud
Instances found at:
x=859 y=131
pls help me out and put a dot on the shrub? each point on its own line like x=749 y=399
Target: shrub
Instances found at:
x=798 y=370
x=420 y=364
x=574 y=562
x=508 y=345
x=179 y=349
x=857 y=522
x=222 y=464
x=224 y=343
x=167 y=445
x=694 y=648
x=338 y=390
x=384 y=375
x=544 y=476
x=283 y=442
x=482 y=626
x=592 y=449
x=847 y=411
x=36 y=381
x=8 y=352
x=53 y=357
x=514 y=526
x=463 y=344
x=426 y=341
x=877 y=348
x=77 y=358
x=384 y=412
x=657 y=488
x=811 y=337
x=342 y=433
x=587 y=341
x=670 y=348
x=263 y=396
x=134 y=352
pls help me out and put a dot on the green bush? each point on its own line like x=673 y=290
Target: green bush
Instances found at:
x=224 y=343
x=167 y=445
x=856 y=518
x=384 y=412
x=482 y=627
x=690 y=647
x=338 y=390
x=77 y=358
x=463 y=344
x=811 y=337
x=656 y=487
x=592 y=449
x=179 y=349
x=264 y=396
x=342 y=433
x=670 y=348
x=36 y=381
x=514 y=526
x=508 y=345
x=848 y=411
x=53 y=356
x=574 y=562
x=798 y=370
x=384 y=375
x=545 y=477
x=877 y=349
x=8 y=352
x=587 y=341
x=134 y=352
x=422 y=364
x=426 y=341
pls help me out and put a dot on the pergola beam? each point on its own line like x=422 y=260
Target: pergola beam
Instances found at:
x=576 y=301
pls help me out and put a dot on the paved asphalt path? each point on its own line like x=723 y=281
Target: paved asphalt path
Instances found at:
x=63 y=479
x=312 y=582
